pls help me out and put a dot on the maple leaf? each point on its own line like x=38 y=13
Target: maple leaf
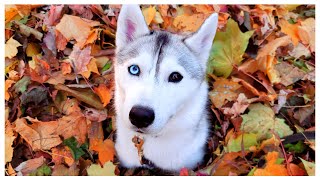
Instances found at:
x=290 y=29
x=186 y=22
x=149 y=14
x=39 y=135
x=307 y=33
x=224 y=89
x=11 y=49
x=271 y=168
x=105 y=150
x=227 y=49
x=80 y=58
x=96 y=170
x=104 y=94
x=261 y=119
x=73 y=27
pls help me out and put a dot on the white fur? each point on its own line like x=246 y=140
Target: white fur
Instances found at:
x=177 y=137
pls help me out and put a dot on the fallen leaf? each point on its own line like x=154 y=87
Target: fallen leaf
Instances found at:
x=43 y=170
x=73 y=27
x=33 y=49
x=10 y=170
x=96 y=170
x=192 y=23
x=282 y=99
x=61 y=155
x=95 y=115
x=105 y=150
x=223 y=90
x=288 y=74
x=61 y=170
x=238 y=107
x=290 y=29
x=56 y=78
x=9 y=138
x=149 y=13
x=227 y=49
x=296 y=170
x=86 y=96
x=39 y=70
x=73 y=125
x=74 y=147
x=236 y=141
x=104 y=93
x=226 y=164
x=80 y=58
x=11 y=49
x=29 y=166
x=184 y=172
x=303 y=113
x=307 y=33
x=299 y=51
x=261 y=119
x=39 y=135
x=53 y=15
x=8 y=84
x=271 y=168
x=309 y=166
x=92 y=67
x=26 y=30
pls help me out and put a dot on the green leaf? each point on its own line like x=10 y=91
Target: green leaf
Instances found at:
x=227 y=49
x=297 y=148
x=76 y=150
x=106 y=66
x=261 y=120
x=309 y=166
x=43 y=170
x=234 y=145
x=21 y=85
x=97 y=170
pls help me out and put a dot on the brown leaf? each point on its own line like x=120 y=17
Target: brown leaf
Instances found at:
x=73 y=124
x=9 y=138
x=288 y=73
x=307 y=33
x=8 y=84
x=61 y=170
x=73 y=27
x=86 y=96
x=39 y=135
x=95 y=115
x=80 y=58
x=238 y=107
x=29 y=166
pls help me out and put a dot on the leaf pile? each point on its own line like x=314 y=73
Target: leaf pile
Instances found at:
x=59 y=88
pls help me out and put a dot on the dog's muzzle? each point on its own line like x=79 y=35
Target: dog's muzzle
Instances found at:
x=141 y=117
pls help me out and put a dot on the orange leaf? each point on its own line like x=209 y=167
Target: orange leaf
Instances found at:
x=307 y=32
x=62 y=154
x=92 y=67
x=104 y=94
x=290 y=29
x=191 y=23
x=271 y=168
x=39 y=135
x=149 y=13
x=8 y=84
x=39 y=70
x=65 y=68
x=223 y=90
x=296 y=170
x=105 y=150
x=73 y=27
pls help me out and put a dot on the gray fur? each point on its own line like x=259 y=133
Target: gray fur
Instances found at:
x=161 y=44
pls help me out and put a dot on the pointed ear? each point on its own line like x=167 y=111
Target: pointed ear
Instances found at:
x=131 y=24
x=201 y=41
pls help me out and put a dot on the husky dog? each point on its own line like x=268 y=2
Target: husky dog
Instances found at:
x=161 y=92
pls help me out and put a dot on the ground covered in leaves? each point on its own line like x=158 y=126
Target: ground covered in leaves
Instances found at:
x=59 y=88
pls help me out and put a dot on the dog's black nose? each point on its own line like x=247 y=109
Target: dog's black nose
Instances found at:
x=141 y=116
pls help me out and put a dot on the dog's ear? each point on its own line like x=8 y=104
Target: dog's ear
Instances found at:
x=201 y=41
x=131 y=24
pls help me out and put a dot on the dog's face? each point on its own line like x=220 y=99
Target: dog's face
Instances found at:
x=156 y=72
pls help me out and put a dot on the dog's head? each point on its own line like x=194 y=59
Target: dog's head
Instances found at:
x=156 y=72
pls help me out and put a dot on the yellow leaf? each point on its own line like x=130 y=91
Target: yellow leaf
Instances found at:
x=11 y=49
x=33 y=49
x=96 y=170
x=149 y=13
x=92 y=67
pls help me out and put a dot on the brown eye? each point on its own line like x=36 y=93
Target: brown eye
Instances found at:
x=175 y=77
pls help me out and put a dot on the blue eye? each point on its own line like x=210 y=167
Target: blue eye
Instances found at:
x=134 y=70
